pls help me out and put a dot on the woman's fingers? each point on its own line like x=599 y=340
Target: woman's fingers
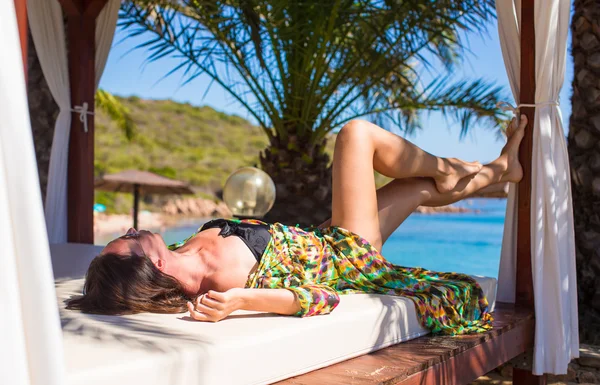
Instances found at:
x=206 y=309
x=210 y=302
x=221 y=297
x=209 y=307
x=198 y=316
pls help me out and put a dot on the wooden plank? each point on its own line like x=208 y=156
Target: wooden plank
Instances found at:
x=81 y=27
x=21 y=12
x=435 y=359
x=473 y=363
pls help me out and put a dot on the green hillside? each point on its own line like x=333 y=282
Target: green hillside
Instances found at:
x=196 y=144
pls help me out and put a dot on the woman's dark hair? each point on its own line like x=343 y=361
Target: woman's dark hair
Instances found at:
x=117 y=284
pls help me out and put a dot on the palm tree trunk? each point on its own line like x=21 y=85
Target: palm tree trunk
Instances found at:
x=43 y=112
x=584 y=154
x=301 y=171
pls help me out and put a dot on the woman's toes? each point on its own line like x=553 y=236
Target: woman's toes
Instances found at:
x=516 y=125
x=512 y=126
x=523 y=122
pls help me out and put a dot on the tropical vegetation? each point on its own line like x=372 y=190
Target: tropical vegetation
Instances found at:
x=303 y=68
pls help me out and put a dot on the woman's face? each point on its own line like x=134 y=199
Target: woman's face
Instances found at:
x=140 y=243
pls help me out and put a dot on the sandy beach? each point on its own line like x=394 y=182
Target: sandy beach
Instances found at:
x=117 y=223
x=120 y=223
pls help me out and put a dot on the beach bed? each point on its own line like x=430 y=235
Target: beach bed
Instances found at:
x=258 y=348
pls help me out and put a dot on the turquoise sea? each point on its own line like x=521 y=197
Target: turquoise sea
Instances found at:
x=464 y=242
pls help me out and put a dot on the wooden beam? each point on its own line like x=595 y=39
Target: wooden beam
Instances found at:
x=524 y=279
x=72 y=7
x=93 y=8
x=21 y=11
x=81 y=27
x=524 y=295
x=85 y=8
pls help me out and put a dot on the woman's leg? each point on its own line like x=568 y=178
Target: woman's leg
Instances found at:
x=361 y=147
x=398 y=158
x=358 y=207
x=399 y=198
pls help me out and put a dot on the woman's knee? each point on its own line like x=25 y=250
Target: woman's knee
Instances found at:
x=355 y=131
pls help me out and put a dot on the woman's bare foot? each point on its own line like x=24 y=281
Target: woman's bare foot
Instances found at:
x=509 y=158
x=513 y=126
x=452 y=171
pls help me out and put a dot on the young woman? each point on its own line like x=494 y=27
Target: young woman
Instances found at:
x=251 y=265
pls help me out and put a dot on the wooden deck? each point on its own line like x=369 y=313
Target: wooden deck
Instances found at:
x=434 y=359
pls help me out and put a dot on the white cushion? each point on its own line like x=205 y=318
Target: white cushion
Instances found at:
x=246 y=348
x=71 y=260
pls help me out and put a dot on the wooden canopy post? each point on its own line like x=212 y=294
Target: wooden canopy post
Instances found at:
x=524 y=275
x=21 y=11
x=524 y=279
x=81 y=29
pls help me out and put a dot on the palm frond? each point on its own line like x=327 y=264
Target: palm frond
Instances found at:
x=304 y=67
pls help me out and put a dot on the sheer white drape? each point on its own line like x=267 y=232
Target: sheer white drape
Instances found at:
x=47 y=30
x=31 y=344
x=105 y=31
x=552 y=231
x=509 y=15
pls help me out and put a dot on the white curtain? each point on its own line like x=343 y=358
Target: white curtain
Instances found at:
x=509 y=16
x=31 y=349
x=552 y=231
x=47 y=30
x=105 y=31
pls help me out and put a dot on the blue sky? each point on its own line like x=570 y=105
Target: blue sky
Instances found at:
x=126 y=73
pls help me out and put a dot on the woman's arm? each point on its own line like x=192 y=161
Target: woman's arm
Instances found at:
x=301 y=301
x=280 y=301
x=214 y=306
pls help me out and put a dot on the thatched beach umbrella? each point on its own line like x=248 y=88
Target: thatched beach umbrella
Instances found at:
x=141 y=182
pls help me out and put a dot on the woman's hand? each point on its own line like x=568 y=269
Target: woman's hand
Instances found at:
x=214 y=306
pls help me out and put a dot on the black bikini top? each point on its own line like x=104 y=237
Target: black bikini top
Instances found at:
x=255 y=235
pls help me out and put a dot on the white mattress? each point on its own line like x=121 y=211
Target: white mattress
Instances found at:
x=246 y=348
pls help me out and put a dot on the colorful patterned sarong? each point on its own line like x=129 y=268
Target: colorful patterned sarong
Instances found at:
x=319 y=264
